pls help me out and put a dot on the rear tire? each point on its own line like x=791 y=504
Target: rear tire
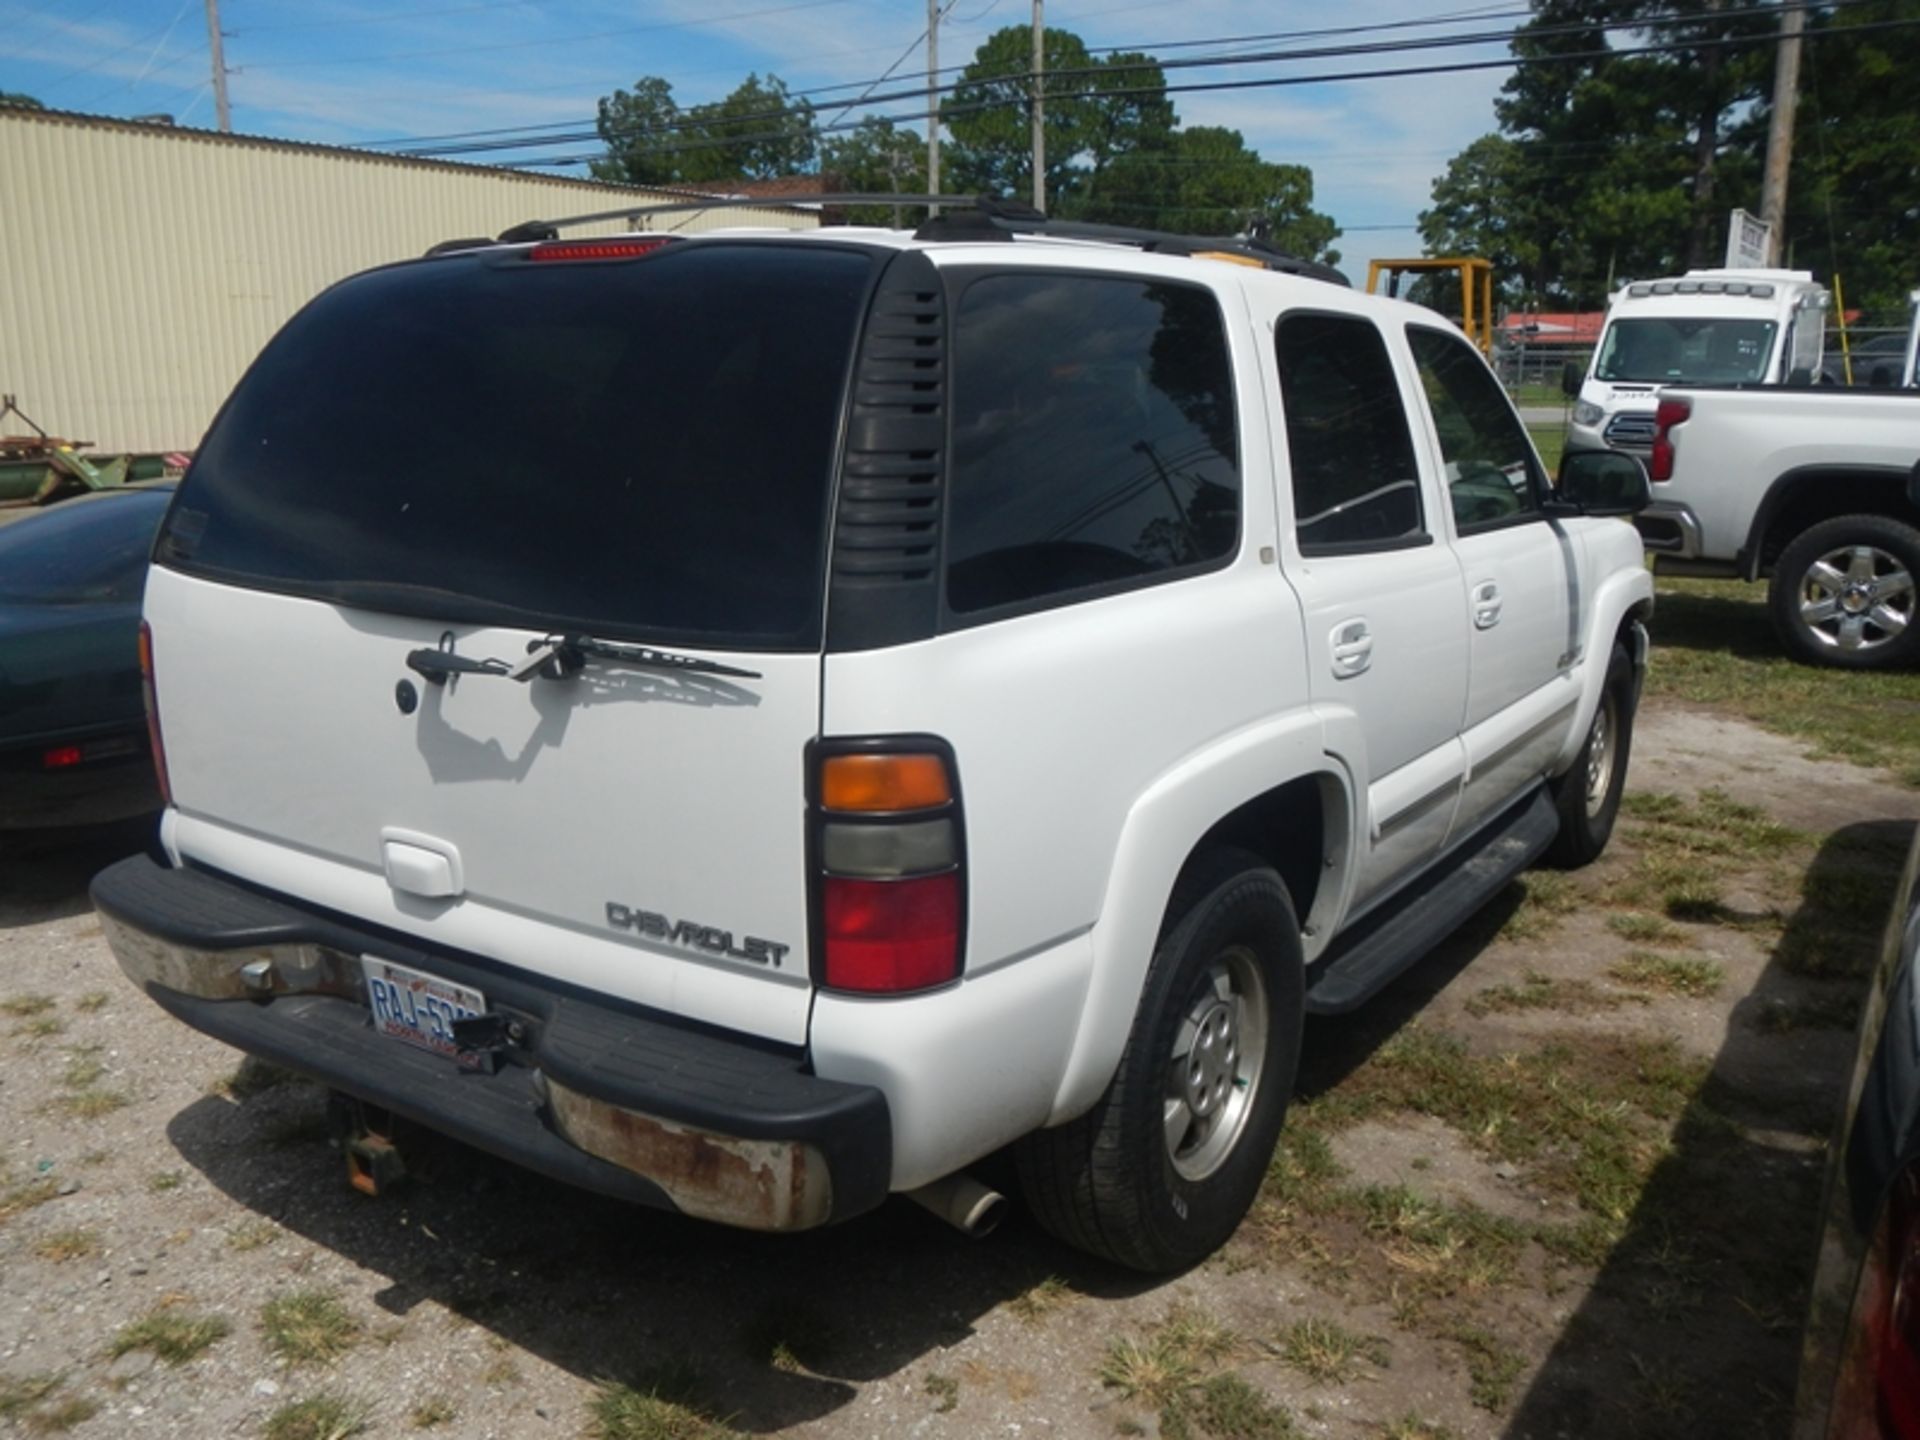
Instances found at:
x=1587 y=797
x=1844 y=593
x=1163 y=1168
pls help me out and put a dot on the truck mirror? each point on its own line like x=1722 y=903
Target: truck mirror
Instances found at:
x=1570 y=378
x=1601 y=482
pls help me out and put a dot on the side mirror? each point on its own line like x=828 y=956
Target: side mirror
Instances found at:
x=1570 y=377
x=1600 y=482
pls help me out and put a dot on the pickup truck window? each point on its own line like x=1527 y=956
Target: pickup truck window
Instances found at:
x=1491 y=474
x=1094 y=441
x=1355 y=484
x=1676 y=349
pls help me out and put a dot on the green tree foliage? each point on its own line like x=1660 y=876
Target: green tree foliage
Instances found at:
x=1091 y=115
x=875 y=158
x=19 y=101
x=1205 y=181
x=758 y=132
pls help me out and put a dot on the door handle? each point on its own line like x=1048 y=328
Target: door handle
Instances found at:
x=1352 y=646
x=1486 y=605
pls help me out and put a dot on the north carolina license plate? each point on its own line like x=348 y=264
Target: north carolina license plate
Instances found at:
x=419 y=1009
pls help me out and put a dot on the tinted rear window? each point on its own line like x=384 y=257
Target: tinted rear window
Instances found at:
x=639 y=449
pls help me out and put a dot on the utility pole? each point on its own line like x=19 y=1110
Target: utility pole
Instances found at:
x=1786 y=97
x=219 y=68
x=933 y=101
x=1039 y=111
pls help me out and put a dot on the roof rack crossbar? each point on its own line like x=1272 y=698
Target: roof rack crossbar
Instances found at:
x=536 y=230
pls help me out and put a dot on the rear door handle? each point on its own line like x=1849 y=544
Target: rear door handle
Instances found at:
x=1486 y=605
x=1352 y=646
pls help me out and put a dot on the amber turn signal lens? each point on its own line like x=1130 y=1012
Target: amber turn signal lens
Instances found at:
x=883 y=783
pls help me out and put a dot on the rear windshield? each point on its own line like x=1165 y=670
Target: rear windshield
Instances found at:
x=639 y=449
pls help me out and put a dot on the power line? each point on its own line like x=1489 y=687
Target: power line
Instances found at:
x=1019 y=80
x=1510 y=62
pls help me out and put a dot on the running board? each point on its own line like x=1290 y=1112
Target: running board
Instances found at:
x=1361 y=963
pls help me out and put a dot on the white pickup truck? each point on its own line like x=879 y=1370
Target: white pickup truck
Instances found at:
x=1817 y=488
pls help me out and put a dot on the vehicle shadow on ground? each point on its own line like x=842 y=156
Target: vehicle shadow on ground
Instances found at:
x=768 y=1331
x=44 y=873
x=1735 y=624
x=1692 y=1325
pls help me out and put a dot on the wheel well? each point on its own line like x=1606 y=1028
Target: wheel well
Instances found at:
x=1287 y=827
x=1815 y=495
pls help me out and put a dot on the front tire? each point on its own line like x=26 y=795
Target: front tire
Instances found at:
x=1843 y=593
x=1163 y=1168
x=1587 y=797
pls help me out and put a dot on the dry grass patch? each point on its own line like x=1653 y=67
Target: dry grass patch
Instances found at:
x=945 y=1391
x=327 y=1416
x=172 y=1335
x=1441 y=1250
x=59 y=1416
x=1688 y=849
x=1536 y=991
x=435 y=1410
x=1413 y=1427
x=83 y=1067
x=17 y=1199
x=1038 y=1301
x=92 y=1001
x=1226 y=1407
x=1644 y=929
x=1330 y=1353
x=1548 y=897
x=1693 y=976
x=1493 y=1368
x=1173 y=1357
x=91 y=1104
x=308 y=1327
x=668 y=1405
x=22 y=1006
x=63 y=1245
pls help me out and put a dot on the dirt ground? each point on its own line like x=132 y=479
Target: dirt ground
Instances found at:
x=1559 y=1181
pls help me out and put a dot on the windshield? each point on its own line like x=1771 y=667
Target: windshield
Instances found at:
x=641 y=449
x=1686 y=351
x=90 y=550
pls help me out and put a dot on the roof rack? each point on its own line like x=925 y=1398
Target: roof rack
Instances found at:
x=965 y=217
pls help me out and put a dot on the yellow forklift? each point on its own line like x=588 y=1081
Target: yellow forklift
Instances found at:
x=1476 y=289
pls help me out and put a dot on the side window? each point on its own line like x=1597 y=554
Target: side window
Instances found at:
x=1492 y=477
x=1094 y=440
x=1355 y=485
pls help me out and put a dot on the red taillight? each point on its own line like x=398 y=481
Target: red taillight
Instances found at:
x=889 y=936
x=1668 y=414
x=151 y=696
x=61 y=756
x=595 y=249
x=889 y=885
x=1877 y=1396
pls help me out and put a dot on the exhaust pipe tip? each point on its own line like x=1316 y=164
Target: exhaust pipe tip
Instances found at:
x=964 y=1203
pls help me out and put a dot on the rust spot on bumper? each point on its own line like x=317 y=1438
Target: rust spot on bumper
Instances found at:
x=754 y=1184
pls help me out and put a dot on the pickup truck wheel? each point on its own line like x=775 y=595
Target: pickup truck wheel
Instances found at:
x=1588 y=795
x=1160 y=1172
x=1843 y=593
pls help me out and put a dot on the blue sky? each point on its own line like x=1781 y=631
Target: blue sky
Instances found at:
x=354 y=71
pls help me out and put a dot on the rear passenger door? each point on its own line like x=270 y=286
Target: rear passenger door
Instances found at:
x=1521 y=579
x=1380 y=588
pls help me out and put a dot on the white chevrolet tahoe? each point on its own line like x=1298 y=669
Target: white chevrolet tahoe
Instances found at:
x=754 y=723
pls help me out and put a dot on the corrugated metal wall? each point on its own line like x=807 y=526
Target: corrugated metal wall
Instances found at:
x=142 y=268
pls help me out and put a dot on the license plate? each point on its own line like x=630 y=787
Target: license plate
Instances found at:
x=419 y=1009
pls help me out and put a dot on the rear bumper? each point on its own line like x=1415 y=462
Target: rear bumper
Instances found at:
x=586 y=1091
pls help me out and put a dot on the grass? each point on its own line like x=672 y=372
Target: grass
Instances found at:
x=945 y=1391
x=83 y=1068
x=40 y=1027
x=1543 y=992
x=1713 y=646
x=1547 y=898
x=63 y=1245
x=91 y=1001
x=171 y=1335
x=164 y=1181
x=61 y=1416
x=1551 y=441
x=1413 y=1427
x=1492 y=1368
x=253 y=1235
x=1226 y=1407
x=1688 y=850
x=1646 y=929
x=20 y=1393
x=22 y=1006
x=327 y=1416
x=308 y=1327
x=1175 y=1356
x=435 y=1410
x=1693 y=976
x=1040 y=1300
x=17 y=1199
x=91 y=1104
x=1440 y=1250
x=669 y=1405
x=1329 y=1353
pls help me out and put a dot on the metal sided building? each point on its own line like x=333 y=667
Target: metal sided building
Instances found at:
x=143 y=266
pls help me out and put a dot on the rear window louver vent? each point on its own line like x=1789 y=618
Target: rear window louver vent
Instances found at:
x=886 y=530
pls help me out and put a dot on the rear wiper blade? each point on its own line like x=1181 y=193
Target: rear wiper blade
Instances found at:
x=560 y=655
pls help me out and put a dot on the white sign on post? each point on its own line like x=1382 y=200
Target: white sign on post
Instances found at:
x=1747 y=240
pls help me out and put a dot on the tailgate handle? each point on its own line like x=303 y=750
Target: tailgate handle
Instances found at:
x=422 y=865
